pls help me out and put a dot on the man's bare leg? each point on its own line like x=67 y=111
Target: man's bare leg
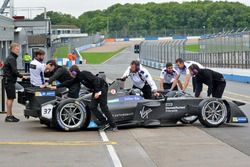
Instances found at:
x=9 y=104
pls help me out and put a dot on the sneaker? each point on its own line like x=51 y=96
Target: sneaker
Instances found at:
x=11 y=119
x=15 y=118
x=104 y=127
x=113 y=129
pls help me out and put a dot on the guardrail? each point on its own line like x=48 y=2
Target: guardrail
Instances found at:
x=235 y=59
x=157 y=53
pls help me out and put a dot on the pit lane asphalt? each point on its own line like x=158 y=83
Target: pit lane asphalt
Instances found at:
x=235 y=135
x=169 y=146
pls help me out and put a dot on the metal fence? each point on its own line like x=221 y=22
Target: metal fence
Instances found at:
x=140 y=33
x=225 y=42
x=157 y=53
x=224 y=50
x=75 y=42
x=233 y=59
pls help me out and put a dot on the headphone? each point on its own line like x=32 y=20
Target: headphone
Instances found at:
x=74 y=73
x=137 y=64
x=74 y=70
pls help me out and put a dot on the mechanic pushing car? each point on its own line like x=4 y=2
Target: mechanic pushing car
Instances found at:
x=214 y=80
x=61 y=74
x=37 y=68
x=10 y=74
x=182 y=69
x=100 y=92
x=141 y=79
x=168 y=77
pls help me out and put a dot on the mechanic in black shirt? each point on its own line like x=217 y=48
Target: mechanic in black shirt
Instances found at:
x=61 y=74
x=99 y=87
x=11 y=74
x=214 y=80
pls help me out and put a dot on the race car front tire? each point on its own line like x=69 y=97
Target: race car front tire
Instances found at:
x=213 y=112
x=71 y=115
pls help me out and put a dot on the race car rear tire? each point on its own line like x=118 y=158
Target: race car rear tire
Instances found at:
x=71 y=115
x=213 y=112
x=189 y=120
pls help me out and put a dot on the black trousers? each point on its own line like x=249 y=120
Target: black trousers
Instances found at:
x=218 y=89
x=104 y=116
x=146 y=90
x=74 y=90
x=27 y=67
x=168 y=86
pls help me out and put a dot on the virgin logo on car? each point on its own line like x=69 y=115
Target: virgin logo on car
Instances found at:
x=144 y=113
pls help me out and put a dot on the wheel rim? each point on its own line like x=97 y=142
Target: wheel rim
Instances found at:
x=71 y=115
x=214 y=112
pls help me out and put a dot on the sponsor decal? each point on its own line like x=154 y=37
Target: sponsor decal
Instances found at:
x=38 y=94
x=130 y=98
x=113 y=91
x=169 y=104
x=125 y=99
x=240 y=120
x=122 y=115
x=144 y=113
x=170 y=108
x=50 y=93
x=113 y=101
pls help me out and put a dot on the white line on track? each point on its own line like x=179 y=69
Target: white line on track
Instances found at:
x=111 y=150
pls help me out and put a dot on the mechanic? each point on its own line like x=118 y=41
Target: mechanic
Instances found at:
x=214 y=80
x=11 y=73
x=182 y=69
x=167 y=77
x=61 y=74
x=141 y=79
x=99 y=87
x=37 y=68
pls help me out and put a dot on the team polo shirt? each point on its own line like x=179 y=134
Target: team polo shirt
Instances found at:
x=168 y=77
x=37 y=73
x=185 y=70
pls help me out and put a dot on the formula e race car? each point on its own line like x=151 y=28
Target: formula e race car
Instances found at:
x=128 y=108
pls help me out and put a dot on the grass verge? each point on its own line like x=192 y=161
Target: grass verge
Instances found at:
x=99 y=57
x=192 y=48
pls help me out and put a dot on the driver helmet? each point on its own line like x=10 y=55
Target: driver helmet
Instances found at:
x=136 y=92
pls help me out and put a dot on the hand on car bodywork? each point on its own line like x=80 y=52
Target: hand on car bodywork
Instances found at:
x=24 y=77
x=97 y=95
x=53 y=87
x=42 y=86
x=156 y=94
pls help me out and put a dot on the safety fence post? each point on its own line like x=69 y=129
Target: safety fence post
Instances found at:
x=3 y=96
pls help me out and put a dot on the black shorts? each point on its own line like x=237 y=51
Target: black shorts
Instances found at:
x=169 y=86
x=10 y=89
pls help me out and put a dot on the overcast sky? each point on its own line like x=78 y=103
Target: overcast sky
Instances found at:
x=77 y=7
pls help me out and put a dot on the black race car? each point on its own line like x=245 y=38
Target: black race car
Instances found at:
x=128 y=108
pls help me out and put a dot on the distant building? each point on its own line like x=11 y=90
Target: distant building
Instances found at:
x=6 y=36
x=65 y=29
x=30 y=34
x=65 y=33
